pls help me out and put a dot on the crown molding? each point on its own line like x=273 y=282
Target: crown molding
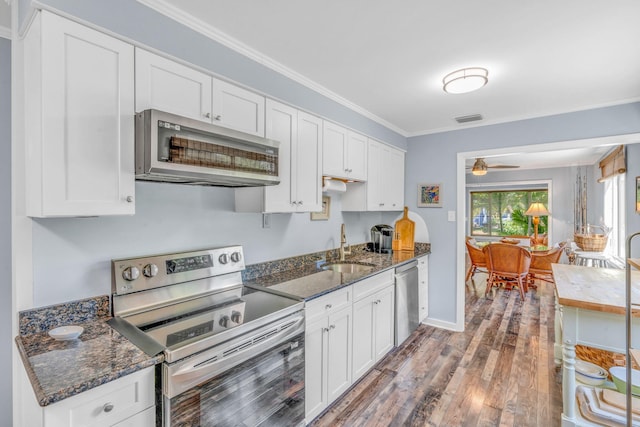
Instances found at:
x=215 y=34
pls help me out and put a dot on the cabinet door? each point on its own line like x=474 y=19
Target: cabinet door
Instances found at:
x=237 y=108
x=339 y=342
x=356 y=156
x=308 y=166
x=375 y=180
x=384 y=321
x=166 y=85
x=282 y=126
x=423 y=287
x=315 y=367
x=393 y=184
x=108 y=404
x=363 y=336
x=80 y=126
x=333 y=150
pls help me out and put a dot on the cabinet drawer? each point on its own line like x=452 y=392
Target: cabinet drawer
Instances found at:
x=371 y=285
x=422 y=261
x=328 y=304
x=107 y=404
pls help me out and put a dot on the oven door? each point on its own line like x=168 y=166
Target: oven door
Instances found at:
x=260 y=384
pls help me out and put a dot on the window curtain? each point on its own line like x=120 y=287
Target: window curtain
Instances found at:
x=613 y=164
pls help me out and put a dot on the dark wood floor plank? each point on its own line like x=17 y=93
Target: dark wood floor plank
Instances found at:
x=499 y=372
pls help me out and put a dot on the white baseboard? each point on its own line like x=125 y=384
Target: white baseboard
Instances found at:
x=442 y=324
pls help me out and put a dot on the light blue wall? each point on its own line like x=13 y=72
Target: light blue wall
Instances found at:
x=72 y=256
x=5 y=233
x=432 y=158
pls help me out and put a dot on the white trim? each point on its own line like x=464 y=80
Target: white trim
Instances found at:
x=5 y=32
x=461 y=157
x=442 y=324
x=520 y=117
x=215 y=34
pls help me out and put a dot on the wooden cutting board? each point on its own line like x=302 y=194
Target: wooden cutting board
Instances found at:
x=619 y=400
x=405 y=231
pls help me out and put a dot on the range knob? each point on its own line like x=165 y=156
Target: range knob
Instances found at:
x=223 y=259
x=224 y=321
x=150 y=270
x=130 y=273
x=236 y=256
x=236 y=317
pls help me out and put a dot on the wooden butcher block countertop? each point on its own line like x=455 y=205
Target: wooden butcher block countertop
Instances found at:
x=598 y=289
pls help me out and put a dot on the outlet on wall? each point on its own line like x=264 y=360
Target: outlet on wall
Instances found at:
x=451 y=216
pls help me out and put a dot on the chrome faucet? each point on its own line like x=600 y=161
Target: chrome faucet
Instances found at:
x=343 y=242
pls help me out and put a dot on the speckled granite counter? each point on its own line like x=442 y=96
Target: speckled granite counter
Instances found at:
x=61 y=369
x=304 y=278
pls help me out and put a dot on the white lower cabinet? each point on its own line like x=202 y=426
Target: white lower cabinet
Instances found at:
x=372 y=329
x=328 y=347
x=423 y=287
x=347 y=332
x=127 y=401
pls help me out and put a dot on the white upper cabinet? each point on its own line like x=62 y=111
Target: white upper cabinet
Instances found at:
x=299 y=164
x=344 y=153
x=169 y=86
x=237 y=108
x=79 y=126
x=385 y=185
x=384 y=188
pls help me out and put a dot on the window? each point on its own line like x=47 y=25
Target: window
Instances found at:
x=614 y=214
x=501 y=213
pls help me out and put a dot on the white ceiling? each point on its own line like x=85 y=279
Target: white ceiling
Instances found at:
x=388 y=58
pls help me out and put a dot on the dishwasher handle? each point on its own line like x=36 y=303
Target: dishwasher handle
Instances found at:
x=407 y=266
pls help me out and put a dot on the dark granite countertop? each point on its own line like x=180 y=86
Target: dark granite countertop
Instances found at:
x=61 y=369
x=309 y=280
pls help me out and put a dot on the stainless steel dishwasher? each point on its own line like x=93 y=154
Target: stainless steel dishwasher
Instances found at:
x=406 y=301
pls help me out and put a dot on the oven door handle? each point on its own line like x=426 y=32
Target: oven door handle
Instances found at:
x=206 y=367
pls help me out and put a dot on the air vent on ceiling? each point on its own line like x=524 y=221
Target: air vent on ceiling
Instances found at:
x=469 y=118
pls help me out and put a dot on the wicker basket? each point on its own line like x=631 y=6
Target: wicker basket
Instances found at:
x=591 y=242
x=603 y=358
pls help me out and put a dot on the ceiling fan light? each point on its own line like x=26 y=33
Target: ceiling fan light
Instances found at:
x=479 y=167
x=465 y=80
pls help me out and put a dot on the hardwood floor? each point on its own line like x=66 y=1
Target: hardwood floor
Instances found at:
x=498 y=372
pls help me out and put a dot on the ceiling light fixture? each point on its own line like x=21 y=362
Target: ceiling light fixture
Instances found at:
x=479 y=167
x=465 y=80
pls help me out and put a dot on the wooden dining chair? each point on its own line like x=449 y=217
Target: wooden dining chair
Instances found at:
x=507 y=264
x=540 y=267
x=478 y=260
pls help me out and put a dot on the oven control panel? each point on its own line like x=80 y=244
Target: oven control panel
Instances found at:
x=144 y=273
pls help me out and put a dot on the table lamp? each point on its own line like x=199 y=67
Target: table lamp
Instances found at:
x=536 y=210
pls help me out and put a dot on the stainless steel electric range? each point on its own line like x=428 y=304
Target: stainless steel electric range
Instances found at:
x=234 y=354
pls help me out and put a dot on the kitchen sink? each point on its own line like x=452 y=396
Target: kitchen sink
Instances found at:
x=348 y=267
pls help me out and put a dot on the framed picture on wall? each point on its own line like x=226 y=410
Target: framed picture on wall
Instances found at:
x=638 y=194
x=429 y=195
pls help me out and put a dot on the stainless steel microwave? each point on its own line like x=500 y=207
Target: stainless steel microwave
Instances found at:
x=171 y=148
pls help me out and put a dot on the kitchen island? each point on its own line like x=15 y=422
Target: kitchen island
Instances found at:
x=590 y=311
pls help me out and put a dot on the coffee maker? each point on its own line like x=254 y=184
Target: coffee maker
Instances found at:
x=381 y=238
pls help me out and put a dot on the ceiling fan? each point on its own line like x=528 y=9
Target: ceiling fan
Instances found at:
x=480 y=167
